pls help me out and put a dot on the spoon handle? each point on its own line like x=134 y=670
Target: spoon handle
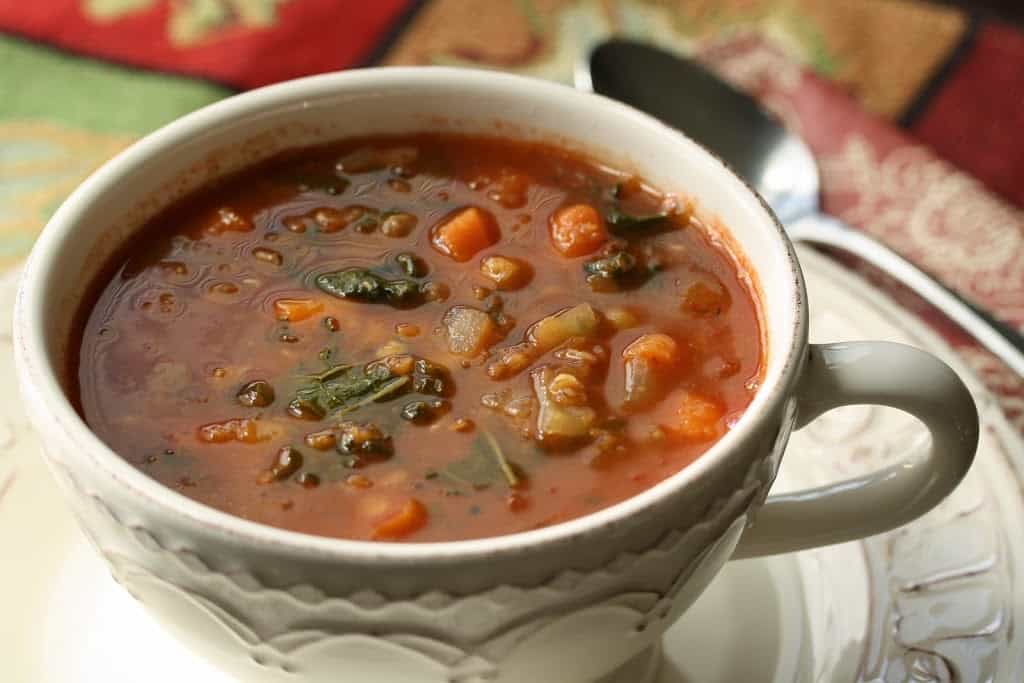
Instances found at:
x=997 y=336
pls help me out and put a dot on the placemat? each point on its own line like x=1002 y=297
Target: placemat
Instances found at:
x=914 y=109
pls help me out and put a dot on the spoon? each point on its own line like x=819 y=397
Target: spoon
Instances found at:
x=774 y=160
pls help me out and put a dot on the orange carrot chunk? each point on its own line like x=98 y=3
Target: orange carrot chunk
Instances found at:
x=465 y=233
x=411 y=518
x=696 y=418
x=577 y=230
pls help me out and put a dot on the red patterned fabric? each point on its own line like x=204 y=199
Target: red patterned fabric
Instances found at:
x=878 y=178
x=976 y=120
x=309 y=37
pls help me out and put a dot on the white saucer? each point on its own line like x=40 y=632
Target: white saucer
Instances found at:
x=939 y=600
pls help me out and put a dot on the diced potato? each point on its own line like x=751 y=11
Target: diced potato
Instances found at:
x=409 y=519
x=704 y=299
x=577 y=230
x=295 y=310
x=506 y=273
x=465 y=233
x=648 y=363
x=579 y=321
x=469 y=331
x=696 y=418
x=558 y=425
x=510 y=361
x=644 y=385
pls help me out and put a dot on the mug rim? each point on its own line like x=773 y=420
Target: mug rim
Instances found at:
x=40 y=384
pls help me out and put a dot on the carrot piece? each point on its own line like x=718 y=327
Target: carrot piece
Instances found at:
x=577 y=230
x=465 y=233
x=697 y=418
x=411 y=518
x=294 y=310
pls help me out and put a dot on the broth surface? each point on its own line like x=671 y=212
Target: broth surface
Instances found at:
x=419 y=338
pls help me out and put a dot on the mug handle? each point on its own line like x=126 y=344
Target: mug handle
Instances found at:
x=882 y=373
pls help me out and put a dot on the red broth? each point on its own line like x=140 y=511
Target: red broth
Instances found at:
x=419 y=338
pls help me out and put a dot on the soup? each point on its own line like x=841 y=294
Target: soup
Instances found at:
x=419 y=338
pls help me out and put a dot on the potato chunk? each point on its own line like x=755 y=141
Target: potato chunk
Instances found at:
x=580 y=320
x=469 y=331
x=560 y=423
x=648 y=362
x=506 y=273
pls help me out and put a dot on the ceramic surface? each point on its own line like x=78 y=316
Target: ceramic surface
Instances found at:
x=579 y=598
x=937 y=600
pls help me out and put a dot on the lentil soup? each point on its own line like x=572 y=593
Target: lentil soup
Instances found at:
x=419 y=338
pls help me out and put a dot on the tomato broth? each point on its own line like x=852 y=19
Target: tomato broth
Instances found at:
x=419 y=338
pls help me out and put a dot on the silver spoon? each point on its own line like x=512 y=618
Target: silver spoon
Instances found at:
x=775 y=161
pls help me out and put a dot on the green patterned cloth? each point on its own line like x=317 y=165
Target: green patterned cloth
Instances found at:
x=61 y=116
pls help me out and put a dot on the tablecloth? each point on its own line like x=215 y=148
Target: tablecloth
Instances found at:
x=914 y=110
